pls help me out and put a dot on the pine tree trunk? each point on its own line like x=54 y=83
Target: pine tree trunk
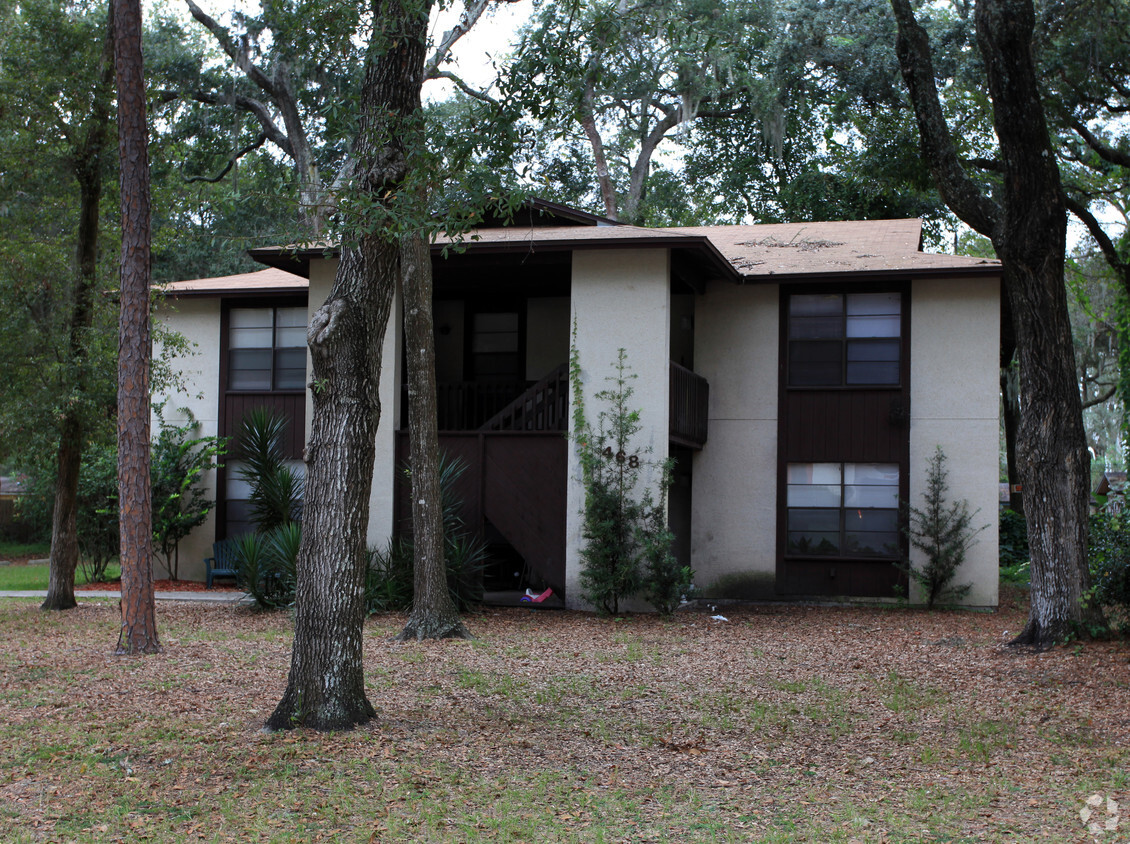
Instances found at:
x=1031 y=241
x=139 y=621
x=434 y=615
x=325 y=688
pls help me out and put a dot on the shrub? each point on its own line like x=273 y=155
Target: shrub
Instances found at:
x=389 y=584
x=1109 y=556
x=276 y=488
x=627 y=541
x=178 y=462
x=1012 y=538
x=266 y=565
x=666 y=582
x=943 y=532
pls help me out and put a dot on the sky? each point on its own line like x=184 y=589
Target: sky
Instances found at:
x=491 y=37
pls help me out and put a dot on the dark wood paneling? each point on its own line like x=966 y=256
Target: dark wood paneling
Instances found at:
x=844 y=425
x=514 y=480
x=290 y=405
x=841 y=425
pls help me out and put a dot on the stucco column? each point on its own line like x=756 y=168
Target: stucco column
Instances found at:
x=381 y=515
x=198 y=320
x=955 y=403
x=621 y=299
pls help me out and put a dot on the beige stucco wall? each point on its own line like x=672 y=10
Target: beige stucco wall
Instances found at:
x=384 y=470
x=954 y=353
x=198 y=321
x=620 y=299
x=735 y=475
x=547 y=335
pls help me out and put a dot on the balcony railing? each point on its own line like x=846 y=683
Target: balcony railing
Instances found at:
x=690 y=401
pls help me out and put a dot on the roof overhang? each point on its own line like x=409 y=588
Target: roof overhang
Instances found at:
x=697 y=249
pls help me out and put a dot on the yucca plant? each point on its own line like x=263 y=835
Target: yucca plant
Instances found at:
x=276 y=488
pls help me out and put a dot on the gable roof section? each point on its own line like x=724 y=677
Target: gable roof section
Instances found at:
x=267 y=281
x=821 y=251
x=759 y=254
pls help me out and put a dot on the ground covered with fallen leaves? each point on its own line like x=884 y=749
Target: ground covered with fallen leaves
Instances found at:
x=777 y=724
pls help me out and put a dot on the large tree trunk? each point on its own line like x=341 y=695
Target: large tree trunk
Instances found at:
x=434 y=615
x=325 y=688
x=88 y=166
x=64 y=531
x=1028 y=230
x=139 y=622
x=1031 y=242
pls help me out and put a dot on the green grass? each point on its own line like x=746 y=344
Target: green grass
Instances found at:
x=19 y=578
x=35 y=550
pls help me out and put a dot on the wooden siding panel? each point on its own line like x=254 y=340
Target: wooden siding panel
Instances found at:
x=517 y=481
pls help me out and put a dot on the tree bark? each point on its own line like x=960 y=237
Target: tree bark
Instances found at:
x=88 y=163
x=1010 y=418
x=139 y=622
x=325 y=688
x=1028 y=230
x=1031 y=237
x=434 y=615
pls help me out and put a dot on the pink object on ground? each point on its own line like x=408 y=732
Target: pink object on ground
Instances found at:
x=528 y=600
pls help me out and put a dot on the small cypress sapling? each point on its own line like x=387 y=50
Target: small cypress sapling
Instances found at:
x=943 y=532
x=627 y=542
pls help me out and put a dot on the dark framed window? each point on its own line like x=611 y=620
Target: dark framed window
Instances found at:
x=267 y=348
x=844 y=339
x=496 y=346
x=843 y=510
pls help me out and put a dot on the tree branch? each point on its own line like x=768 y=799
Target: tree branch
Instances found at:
x=1105 y=244
x=274 y=134
x=240 y=54
x=1099 y=399
x=960 y=193
x=482 y=96
x=232 y=159
x=1105 y=152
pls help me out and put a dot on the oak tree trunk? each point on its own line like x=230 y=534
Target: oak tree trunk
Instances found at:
x=325 y=687
x=88 y=164
x=64 y=530
x=1028 y=231
x=139 y=622
x=1031 y=236
x=434 y=615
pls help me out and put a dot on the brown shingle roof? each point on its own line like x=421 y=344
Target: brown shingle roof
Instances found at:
x=751 y=254
x=264 y=281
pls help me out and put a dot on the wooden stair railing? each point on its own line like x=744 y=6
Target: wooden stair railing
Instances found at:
x=543 y=407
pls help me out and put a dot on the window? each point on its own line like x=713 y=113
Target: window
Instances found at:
x=267 y=348
x=838 y=339
x=237 y=496
x=842 y=510
x=495 y=347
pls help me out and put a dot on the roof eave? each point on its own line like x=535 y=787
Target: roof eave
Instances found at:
x=975 y=271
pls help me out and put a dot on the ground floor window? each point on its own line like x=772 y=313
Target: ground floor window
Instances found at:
x=843 y=510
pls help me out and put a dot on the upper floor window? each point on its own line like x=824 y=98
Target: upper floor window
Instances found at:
x=267 y=348
x=844 y=339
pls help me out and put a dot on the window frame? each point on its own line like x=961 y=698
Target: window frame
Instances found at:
x=842 y=554
x=274 y=305
x=844 y=341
